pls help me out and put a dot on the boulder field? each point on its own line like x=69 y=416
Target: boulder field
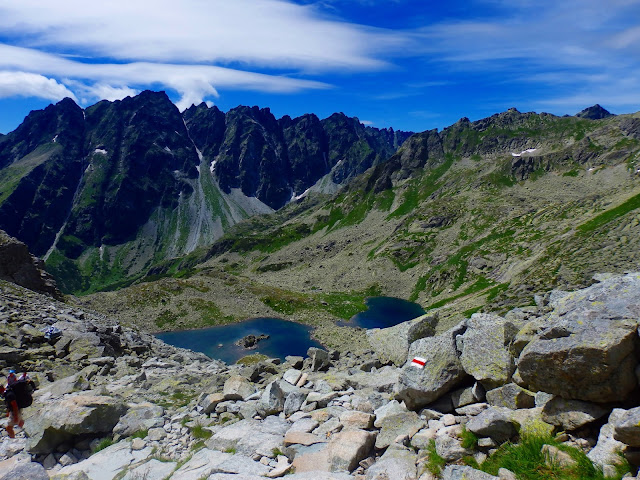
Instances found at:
x=114 y=403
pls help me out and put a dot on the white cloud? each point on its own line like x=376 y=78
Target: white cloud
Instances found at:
x=24 y=84
x=366 y=122
x=103 y=91
x=265 y=33
x=109 y=50
x=111 y=81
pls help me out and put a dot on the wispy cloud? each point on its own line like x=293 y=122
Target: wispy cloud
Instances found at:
x=267 y=33
x=193 y=47
x=111 y=81
x=24 y=84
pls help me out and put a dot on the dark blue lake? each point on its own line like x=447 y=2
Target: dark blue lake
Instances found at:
x=384 y=312
x=286 y=338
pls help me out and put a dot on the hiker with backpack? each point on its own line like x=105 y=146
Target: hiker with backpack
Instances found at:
x=17 y=395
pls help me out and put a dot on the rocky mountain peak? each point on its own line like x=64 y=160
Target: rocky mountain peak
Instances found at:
x=596 y=112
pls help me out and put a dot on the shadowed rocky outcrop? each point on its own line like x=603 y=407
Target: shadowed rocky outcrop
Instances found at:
x=17 y=265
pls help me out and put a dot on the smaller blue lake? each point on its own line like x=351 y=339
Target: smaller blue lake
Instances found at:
x=384 y=312
x=285 y=338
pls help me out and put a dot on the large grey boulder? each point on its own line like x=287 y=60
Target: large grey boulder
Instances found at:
x=442 y=371
x=319 y=359
x=74 y=415
x=485 y=349
x=140 y=417
x=349 y=447
x=626 y=426
x=494 y=422
x=511 y=396
x=238 y=388
x=240 y=465
x=607 y=450
x=315 y=475
x=201 y=465
x=392 y=427
x=248 y=437
x=294 y=402
x=210 y=401
x=384 y=380
x=107 y=463
x=153 y=469
x=272 y=399
x=389 y=410
x=396 y=463
x=585 y=351
x=571 y=414
x=392 y=344
x=17 y=265
x=22 y=468
x=342 y=453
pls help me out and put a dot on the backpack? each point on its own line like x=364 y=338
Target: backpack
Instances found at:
x=23 y=392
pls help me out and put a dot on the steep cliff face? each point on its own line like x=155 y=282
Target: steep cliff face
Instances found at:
x=104 y=193
x=41 y=163
x=139 y=157
x=308 y=147
x=253 y=156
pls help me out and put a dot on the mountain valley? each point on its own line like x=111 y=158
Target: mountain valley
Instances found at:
x=479 y=217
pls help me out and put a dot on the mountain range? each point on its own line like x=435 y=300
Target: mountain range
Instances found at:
x=201 y=218
x=112 y=189
x=481 y=216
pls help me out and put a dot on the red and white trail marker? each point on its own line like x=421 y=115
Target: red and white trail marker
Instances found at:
x=418 y=362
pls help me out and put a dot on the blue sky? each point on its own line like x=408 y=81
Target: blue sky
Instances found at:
x=410 y=65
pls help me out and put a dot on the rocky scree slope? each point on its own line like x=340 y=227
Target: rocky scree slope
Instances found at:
x=567 y=365
x=479 y=216
x=103 y=193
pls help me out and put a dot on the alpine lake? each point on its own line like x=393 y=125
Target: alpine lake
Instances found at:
x=285 y=337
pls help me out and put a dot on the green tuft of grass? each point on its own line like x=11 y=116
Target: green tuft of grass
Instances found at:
x=469 y=439
x=199 y=445
x=231 y=450
x=471 y=311
x=435 y=462
x=104 y=443
x=140 y=434
x=527 y=461
x=201 y=433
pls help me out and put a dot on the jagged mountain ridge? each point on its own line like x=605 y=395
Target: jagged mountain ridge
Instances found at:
x=112 y=189
x=481 y=215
